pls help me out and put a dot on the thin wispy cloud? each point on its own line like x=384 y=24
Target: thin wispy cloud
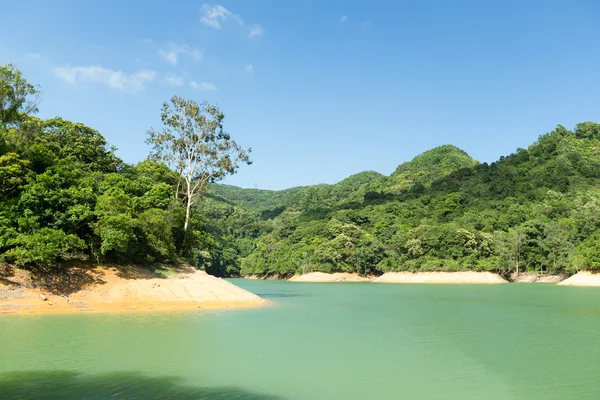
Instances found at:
x=172 y=52
x=215 y=15
x=174 y=80
x=206 y=86
x=255 y=30
x=32 y=56
x=343 y=19
x=249 y=69
x=118 y=80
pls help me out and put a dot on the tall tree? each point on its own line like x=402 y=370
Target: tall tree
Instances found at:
x=17 y=96
x=195 y=145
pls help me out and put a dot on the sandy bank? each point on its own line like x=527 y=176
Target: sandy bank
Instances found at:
x=111 y=291
x=536 y=278
x=582 y=278
x=325 y=277
x=440 y=277
x=263 y=278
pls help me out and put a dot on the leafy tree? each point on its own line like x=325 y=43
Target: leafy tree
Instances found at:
x=557 y=246
x=17 y=96
x=14 y=174
x=195 y=145
x=588 y=253
x=43 y=248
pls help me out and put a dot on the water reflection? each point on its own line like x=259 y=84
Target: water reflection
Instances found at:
x=29 y=385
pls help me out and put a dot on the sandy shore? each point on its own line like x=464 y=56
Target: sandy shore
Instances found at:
x=334 y=277
x=582 y=278
x=536 y=278
x=263 y=278
x=113 y=292
x=440 y=277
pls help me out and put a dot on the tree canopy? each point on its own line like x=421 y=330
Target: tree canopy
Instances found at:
x=66 y=196
x=534 y=210
x=195 y=145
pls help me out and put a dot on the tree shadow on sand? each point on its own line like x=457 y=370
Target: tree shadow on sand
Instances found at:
x=66 y=280
x=29 y=385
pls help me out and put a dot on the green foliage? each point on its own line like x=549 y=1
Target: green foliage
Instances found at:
x=64 y=194
x=43 y=248
x=17 y=96
x=14 y=173
x=195 y=145
x=429 y=167
x=588 y=256
x=535 y=210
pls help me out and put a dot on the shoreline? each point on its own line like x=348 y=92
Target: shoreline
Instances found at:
x=582 y=278
x=465 y=277
x=111 y=292
x=314 y=277
x=462 y=277
x=127 y=309
x=533 y=277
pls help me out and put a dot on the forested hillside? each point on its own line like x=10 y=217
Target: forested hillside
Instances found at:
x=534 y=210
x=65 y=195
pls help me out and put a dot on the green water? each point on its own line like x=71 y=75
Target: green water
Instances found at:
x=320 y=341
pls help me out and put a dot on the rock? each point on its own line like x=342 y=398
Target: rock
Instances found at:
x=43 y=297
x=50 y=303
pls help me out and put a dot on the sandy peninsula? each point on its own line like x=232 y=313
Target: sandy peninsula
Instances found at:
x=582 y=278
x=333 y=277
x=440 y=277
x=110 y=289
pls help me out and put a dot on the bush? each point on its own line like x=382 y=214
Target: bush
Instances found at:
x=43 y=248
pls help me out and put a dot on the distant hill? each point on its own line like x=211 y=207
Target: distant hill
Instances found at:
x=429 y=166
x=537 y=209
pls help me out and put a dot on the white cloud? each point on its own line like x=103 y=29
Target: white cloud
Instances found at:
x=172 y=52
x=207 y=86
x=174 y=80
x=249 y=69
x=113 y=79
x=343 y=18
x=214 y=15
x=255 y=30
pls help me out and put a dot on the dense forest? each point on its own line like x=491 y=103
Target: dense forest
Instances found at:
x=534 y=210
x=66 y=196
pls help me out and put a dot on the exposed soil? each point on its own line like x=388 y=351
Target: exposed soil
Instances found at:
x=77 y=289
x=441 y=277
x=525 y=277
x=582 y=278
x=334 y=277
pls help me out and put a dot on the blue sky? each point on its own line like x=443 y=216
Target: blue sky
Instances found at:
x=319 y=89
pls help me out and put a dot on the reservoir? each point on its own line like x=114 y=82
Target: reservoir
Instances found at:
x=320 y=341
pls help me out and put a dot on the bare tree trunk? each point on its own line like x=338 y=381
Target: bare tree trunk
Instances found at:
x=188 y=206
x=187 y=215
